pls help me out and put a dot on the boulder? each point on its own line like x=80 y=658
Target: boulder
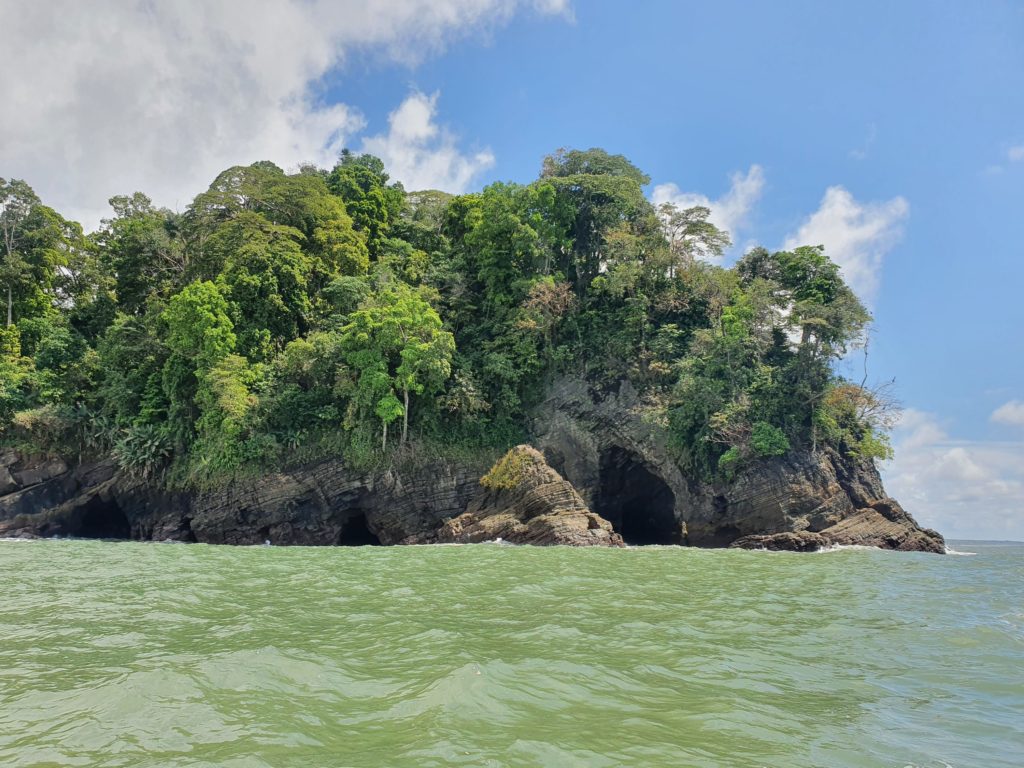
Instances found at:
x=524 y=501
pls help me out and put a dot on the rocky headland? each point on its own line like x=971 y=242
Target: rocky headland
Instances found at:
x=597 y=473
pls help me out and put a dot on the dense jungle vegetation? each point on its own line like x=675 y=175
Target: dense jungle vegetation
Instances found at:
x=285 y=317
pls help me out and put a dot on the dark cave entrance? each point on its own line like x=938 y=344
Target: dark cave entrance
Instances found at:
x=355 y=532
x=102 y=519
x=638 y=504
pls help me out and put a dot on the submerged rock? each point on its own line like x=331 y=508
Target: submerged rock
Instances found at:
x=790 y=541
x=525 y=501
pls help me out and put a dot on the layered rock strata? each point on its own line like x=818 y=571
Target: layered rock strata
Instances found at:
x=599 y=470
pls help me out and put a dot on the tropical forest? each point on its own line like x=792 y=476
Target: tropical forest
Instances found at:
x=287 y=317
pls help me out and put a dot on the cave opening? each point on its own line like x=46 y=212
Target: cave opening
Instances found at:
x=356 y=533
x=102 y=519
x=638 y=503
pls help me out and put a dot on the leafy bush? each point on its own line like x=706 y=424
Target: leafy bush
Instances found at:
x=46 y=427
x=767 y=440
x=507 y=472
x=143 y=451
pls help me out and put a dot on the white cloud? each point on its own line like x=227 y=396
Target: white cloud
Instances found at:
x=728 y=212
x=856 y=235
x=1015 y=154
x=110 y=97
x=1011 y=413
x=964 y=489
x=422 y=155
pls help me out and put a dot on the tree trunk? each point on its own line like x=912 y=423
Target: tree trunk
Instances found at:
x=384 y=439
x=405 y=415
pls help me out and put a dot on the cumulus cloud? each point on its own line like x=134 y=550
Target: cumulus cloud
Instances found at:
x=110 y=97
x=728 y=212
x=1011 y=413
x=964 y=489
x=856 y=235
x=421 y=154
x=1015 y=154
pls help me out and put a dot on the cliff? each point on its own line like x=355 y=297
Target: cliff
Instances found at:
x=608 y=477
x=605 y=447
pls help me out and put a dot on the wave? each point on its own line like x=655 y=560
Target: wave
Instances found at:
x=951 y=551
x=844 y=547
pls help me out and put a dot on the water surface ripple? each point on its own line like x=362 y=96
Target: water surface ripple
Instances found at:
x=129 y=654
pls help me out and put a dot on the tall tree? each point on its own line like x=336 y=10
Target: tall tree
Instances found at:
x=373 y=204
x=142 y=248
x=602 y=191
x=17 y=201
x=690 y=235
x=397 y=344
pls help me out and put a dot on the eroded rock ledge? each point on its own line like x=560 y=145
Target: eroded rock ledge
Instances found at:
x=598 y=473
x=884 y=524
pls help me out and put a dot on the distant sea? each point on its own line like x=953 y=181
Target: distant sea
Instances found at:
x=155 y=655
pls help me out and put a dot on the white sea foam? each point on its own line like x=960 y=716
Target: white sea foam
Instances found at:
x=951 y=551
x=843 y=547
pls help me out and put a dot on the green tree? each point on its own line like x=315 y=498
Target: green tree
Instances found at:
x=396 y=343
x=199 y=335
x=142 y=248
x=601 y=191
x=690 y=235
x=265 y=275
x=373 y=204
x=33 y=247
x=17 y=201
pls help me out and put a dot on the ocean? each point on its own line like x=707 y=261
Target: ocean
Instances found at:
x=141 y=654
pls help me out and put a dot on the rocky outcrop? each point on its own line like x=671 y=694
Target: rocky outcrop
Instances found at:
x=524 y=501
x=606 y=446
x=884 y=524
x=608 y=473
x=324 y=504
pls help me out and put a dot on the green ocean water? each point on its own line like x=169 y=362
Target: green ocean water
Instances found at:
x=132 y=654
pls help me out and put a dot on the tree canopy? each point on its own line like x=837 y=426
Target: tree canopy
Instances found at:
x=289 y=316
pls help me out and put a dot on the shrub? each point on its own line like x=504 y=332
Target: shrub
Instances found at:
x=44 y=427
x=767 y=440
x=507 y=472
x=143 y=451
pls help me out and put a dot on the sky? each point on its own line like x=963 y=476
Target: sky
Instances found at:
x=891 y=133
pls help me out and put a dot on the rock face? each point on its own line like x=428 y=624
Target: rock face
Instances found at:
x=325 y=504
x=884 y=523
x=608 y=474
x=621 y=467
x=524 y=501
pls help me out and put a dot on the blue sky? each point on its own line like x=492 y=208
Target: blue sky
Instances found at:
x=892 y=132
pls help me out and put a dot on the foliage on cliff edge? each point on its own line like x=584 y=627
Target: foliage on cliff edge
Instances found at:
x=286 y=317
